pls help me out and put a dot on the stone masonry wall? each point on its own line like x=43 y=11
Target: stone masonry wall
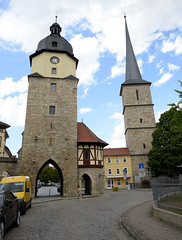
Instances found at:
x=51 y=136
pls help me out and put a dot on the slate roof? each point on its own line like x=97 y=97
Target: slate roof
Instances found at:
x=115 y=151
x=85 y=135
x=54 y=43
x=132 y=75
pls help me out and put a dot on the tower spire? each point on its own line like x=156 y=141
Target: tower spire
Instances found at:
x=132 y=69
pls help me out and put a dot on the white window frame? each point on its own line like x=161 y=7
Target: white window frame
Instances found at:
x=126 y=169
x=118 y=172
x=119 y=182
x=109 y=160
x=117 y=160
x=124 y=159
x=110 y=183
x=109 y=171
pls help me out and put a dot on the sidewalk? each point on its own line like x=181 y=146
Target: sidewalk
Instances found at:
x=140 y=223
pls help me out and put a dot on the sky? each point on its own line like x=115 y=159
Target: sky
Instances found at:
x=96 y=31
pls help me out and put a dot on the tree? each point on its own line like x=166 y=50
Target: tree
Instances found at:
x=166 y=153
x=49 y=174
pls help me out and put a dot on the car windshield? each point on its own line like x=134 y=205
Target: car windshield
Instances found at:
x=1 y=199
x=14 y=187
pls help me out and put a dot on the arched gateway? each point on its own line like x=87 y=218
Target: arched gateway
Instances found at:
x=59 y=171
x=51 y=116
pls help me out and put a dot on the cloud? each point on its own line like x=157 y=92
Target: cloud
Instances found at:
x=151 y=58
x=175 y=45
x=117 y=115
x=13 y=98
x=8 y=86
x=118 y=137
x=13 y=109
x=84 y=47
x=165 y=78
x=85 y=110
x=117 y=70
x=173 y=67
x=85 y=93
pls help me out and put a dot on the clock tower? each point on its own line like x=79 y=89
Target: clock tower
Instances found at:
x=50 y=135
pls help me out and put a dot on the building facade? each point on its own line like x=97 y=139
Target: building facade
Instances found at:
x=3 y=136
x=90 y=160
x=117 y=168
x=138 y=113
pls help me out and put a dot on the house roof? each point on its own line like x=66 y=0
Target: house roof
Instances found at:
x=116 y=151
x=4 y=125
x=85 y=135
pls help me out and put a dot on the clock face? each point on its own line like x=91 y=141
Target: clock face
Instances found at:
x=54 y=60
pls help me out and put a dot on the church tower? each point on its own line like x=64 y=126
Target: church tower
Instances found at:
x=138 y=112
x=50 y=135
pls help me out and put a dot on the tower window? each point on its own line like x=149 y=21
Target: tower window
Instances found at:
x=141 y=120
x=53 y=86
x=137 y=96
x=53 y=70
x=144 y=146
x=52 y=110
x=54 y=44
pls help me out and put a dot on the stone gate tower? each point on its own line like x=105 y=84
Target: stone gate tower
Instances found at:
x=50 y=134
x=138 y=112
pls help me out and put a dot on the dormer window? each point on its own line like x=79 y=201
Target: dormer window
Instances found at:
x=54 y=44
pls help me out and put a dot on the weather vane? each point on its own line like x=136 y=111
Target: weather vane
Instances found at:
x=56 y=17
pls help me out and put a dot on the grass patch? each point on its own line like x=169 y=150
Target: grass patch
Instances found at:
x=174 y=201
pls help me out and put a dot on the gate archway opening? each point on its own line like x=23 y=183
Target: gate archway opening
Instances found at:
x=49 y=174
x=86 y=184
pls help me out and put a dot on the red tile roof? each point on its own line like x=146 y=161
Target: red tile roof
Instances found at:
x=4 y=125
x=85 y=135
x=116 y=151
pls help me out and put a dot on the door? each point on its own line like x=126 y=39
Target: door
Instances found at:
x=110 y=183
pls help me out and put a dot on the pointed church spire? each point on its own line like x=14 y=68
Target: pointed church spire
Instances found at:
x=133 y=75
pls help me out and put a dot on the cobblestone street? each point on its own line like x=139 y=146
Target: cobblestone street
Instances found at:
x=92 y=218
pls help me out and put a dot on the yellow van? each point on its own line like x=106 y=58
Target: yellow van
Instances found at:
x=21 y=186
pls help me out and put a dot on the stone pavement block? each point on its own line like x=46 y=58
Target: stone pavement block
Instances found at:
x=142 y=225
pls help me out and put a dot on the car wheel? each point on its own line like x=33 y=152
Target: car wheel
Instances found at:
x=1 y=231
x=17 y=220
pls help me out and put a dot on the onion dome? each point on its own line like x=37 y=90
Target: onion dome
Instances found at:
x=54 y=42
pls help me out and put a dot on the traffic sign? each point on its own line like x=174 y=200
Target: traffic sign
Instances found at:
x=141 y=166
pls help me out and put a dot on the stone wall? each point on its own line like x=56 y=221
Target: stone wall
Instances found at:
x=51 y=137
x=96 y=176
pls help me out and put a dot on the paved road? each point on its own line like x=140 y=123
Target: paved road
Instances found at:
x=72 y=219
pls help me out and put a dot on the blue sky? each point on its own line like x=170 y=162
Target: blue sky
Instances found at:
x=96 y=31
